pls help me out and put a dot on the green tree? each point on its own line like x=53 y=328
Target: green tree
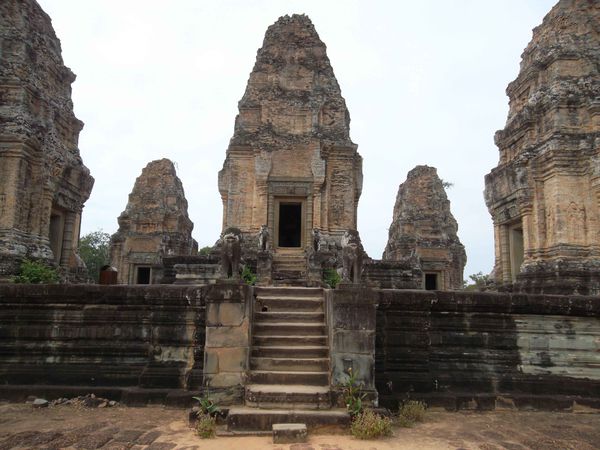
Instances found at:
x=205 y=251
x=480 y=281
x=93 y=249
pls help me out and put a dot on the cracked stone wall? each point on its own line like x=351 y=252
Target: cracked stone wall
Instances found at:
x=424 y=228
x=291 y=139
x=544 y=195
x=43 y=182
x=155 y=224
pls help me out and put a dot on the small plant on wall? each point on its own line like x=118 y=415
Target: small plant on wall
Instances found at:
x=206 y=422
x=248 y=276
x=353 y=394
x=35 y=272
x=331 y=278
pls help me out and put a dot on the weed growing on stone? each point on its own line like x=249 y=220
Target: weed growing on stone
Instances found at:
x=410 y=412
x=331 y=278
x=369 y=425
x=207 y=405
x=353 y=394
x=206 y=426
x=248 y=276
x=35 y=272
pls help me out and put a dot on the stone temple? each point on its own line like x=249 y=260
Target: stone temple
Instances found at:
x=544 y=195
x=424 y=227
x=155 y=224
x=271 y=354
x=43 y=182
x=291 y=164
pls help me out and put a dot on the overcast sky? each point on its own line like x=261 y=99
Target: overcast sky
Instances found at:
x=424 y=83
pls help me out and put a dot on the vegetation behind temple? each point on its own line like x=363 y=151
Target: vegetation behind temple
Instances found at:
x=94 y=250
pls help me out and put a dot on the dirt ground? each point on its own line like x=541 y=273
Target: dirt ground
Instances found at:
x=157 y=428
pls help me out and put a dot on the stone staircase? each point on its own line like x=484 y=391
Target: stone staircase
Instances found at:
x=288 y=379
x=289 y=268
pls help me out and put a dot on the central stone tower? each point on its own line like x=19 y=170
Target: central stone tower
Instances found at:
x=291 y=164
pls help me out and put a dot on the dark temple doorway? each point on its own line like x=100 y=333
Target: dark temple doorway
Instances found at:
x=143 y=275
x=290 y=225
x=431 y=282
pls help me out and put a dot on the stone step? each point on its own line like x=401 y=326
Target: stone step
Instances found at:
x=289 y=316
x=293 y=364
x=253 y=419
x=289 y=433
x=290 y=262
x=289 y=291
x=290 y=329
x=288 y=341
x=276 y=396
x=288 y=304
x=279 y=274
x=287 y=282
x=289 y=377
x=305 y=351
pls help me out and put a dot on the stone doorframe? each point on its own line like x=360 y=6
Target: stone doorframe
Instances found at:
x=293 y=190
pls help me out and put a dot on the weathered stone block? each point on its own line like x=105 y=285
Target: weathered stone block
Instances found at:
x=225 y=314
x=225 y=379
x=227 y=336
x=225 y=359
x=289 y=433
x=362 y=366
x=353 y=341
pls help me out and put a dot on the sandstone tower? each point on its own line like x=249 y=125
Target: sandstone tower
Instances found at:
x=291 y=164
x=544 y=196
x=43 y=182
x=423 y=226
x=155 y=223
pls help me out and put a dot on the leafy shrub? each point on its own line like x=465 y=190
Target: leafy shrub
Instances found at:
x=35 y=272
x=369 y=425
x=410 y=412
x=206 y=426
x=331 y=278
x=353 y=395
x=248 y=276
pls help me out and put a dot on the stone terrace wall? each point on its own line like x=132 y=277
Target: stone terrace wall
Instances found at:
x=101 y=336
x=486 y=350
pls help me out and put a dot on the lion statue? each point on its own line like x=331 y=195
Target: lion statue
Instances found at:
x=263 y=239
x=319 y=242
x=231 y=252
x=352 y=256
